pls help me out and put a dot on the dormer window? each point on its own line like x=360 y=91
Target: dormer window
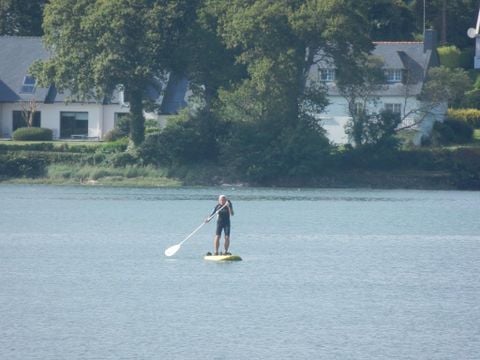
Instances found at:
x=394 y=75
x=327 y=75
x=28 y=86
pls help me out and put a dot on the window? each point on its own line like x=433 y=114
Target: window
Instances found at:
x=359 y=108
x=394 y=75
x=28 y=86
x=20 y=119
x=394 y=108
x=73 y=124
x=327 y=75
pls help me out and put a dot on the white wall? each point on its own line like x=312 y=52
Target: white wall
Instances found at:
x=100 y=117
x=336 y=115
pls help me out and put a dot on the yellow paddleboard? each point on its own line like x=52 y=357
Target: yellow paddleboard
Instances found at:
x=222 y=258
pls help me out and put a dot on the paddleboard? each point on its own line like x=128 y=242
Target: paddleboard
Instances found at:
x=222 y=258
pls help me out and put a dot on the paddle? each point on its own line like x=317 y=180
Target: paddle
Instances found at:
x=173 y=249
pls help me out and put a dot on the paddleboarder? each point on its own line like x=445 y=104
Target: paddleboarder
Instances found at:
x=225 y=210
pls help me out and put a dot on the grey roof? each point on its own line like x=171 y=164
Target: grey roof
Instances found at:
x=408 y=56
x=18 y=53
x=16 y=56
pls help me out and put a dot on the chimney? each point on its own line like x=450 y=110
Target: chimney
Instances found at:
x=429 y=40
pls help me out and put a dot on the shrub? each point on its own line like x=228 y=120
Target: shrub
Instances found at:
x=33 y=134
x=183 y=142
x=121 y=129
x=450 y=56
x=452 y=132
x=470 y=116
x=14 y=165
x=122 y=159
x=113 y=135
x=119 y=145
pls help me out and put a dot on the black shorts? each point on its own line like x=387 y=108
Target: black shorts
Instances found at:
x=223 y=226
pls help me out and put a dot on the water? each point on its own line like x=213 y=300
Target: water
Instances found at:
x=327 y=274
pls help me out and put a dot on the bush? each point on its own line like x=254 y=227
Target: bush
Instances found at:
x=122 y=159
x=470 y=116
x=452 y=132
x=13 y=165
x=450 y=56
x=33 y=134
x=113 y=135
x=185 y=141
x=121 y=129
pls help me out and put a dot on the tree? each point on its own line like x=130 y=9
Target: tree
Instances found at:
x=29 y=108
x=450 y=18
x=391 y=20
x=21 y=17
x=98 y=47
x=207 y=63
x=444 y=85
x=279 y=41
x=359 y=85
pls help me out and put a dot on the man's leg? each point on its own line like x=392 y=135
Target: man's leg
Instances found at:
x=227 y=243
x=216 y=244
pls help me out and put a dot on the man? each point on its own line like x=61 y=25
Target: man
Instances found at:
x=225 y=210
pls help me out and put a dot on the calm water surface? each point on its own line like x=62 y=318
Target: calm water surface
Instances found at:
x=327 y=274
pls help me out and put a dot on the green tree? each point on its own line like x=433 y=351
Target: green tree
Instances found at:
x=100 y=46
x=445 y=85
x=391 y=20
x=450 y=18
x=360 y=86
x=207 y=62
x=279 y=41
x=21 y=17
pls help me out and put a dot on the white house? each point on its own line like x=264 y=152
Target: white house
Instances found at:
x=406 y=65
x=19 y=93
x=91 y=119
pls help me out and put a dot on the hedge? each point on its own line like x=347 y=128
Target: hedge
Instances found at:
x=33 y=134
x=17 y=166
x=470 y=116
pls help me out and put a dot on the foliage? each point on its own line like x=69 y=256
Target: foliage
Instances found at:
x=358 y=84
x=18 y=165
x=122 y=159
x=449 y=56
x=277 y=42
x=391 y=20
x=184 y=141
x=98 y=46
x=252 y=152
x=33 y=134
x=450 y=18
x=445 y=85
x=121 y=129
x=140 y=175
x=451 y=132
x=470 y=116
x=375 y=130
x=21 y=17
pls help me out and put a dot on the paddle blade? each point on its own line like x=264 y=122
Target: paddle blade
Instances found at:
x=172 y=250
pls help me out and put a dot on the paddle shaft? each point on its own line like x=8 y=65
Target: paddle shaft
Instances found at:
x=175 y=248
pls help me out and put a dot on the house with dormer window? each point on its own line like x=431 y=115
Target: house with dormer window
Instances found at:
x=405 y=65
x=21 y=100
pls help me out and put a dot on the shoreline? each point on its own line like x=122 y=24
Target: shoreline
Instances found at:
x=380 y=180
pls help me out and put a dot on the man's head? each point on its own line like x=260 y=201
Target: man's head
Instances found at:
x=222 y=199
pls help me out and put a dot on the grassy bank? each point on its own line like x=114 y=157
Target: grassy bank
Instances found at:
x=109 y=164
